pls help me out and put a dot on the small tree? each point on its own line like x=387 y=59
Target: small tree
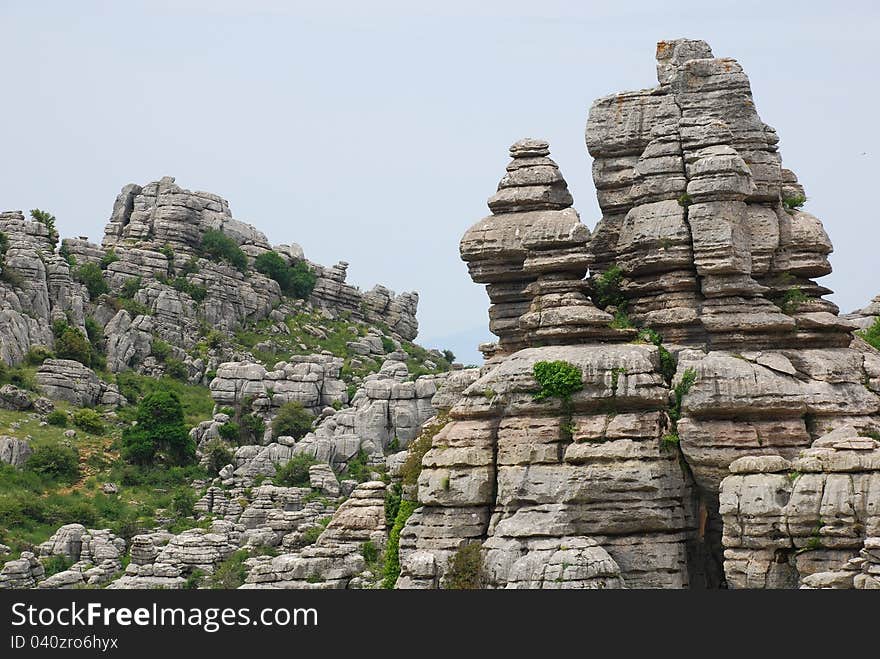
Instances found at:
x=55 y=461
x=292 y=420
x=71 y=343
x=296 y=280
x=295 y=472
x=160 y=434
x=48 y=220
x=92 y=276
x=218 y=246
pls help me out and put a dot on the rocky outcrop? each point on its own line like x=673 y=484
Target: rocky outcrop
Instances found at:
x=700 y=215
x=702 y=241
x=161 y=560
x=525 y=476
x=866 y=316
x=312 y=381
x=35 y=288
x=336 y=558
x=791 y=523
x=14 y=451
x=22 y=573
x=65 y=379
x=13 y=398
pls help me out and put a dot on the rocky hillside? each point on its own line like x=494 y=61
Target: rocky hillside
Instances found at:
x=270 y=359
x=671 y=402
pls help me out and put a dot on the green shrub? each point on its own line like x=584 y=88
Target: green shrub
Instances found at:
x=449 y=356
x=55 y=564
x=231 y=573
x=37 y=355
x=230 y=431
x=194 y=580
x=48 y=220
x=681 y=389
x=108 y=258
x=252 y=427
x=160 y=349
x=302 y=280
x=667 y=361
x=312 y=534
x=218 y=246
x=184 y=285
x=88 y=420
x=71 y=343
x=358 y=468
x=296 y=280
x=55 y=461
x=4 y=244
x=215 y=339
x=292 y=420
x=392 y=550
x=183 y=502
x=91 y=275
x=191 y=267
x=21 y=377
x=167 y=251
x=607 y=289
x=685 y=200
x=794 y=202
x=393 y=497
x=160 y=433
x=218 y=456
x=872 y=334
x=620 y=321
x=465 y=569
x=57 y=418
x=387 y=344
x=791 y=301
x=130 y=287
x=669 y=440
x=176 y=369
x=558 y=379
x=370 y=552
x=295 y=473
x=412 y=466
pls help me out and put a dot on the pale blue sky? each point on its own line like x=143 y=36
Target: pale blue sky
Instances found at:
x=373 y=132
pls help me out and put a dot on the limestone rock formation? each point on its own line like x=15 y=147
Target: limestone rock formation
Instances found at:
x=65 y=379
x=867 y=315
x=14 y=451
x=787 y=522
x=335 y=559
x=704 y=243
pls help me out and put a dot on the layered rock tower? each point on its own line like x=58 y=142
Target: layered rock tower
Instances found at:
x=620 y=484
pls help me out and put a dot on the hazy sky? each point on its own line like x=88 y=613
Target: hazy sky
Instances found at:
x=374 y=132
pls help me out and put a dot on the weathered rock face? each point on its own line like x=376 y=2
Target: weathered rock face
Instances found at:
x=14 y=451
x=790 y=523
x=335 y=560
x=65 y=379
x=35 y=288
x=691 y=188
x=524 y=476
x=312 y=381
x=532 y=192
x=703 y=224
x=22 y=573
x=867 y=315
